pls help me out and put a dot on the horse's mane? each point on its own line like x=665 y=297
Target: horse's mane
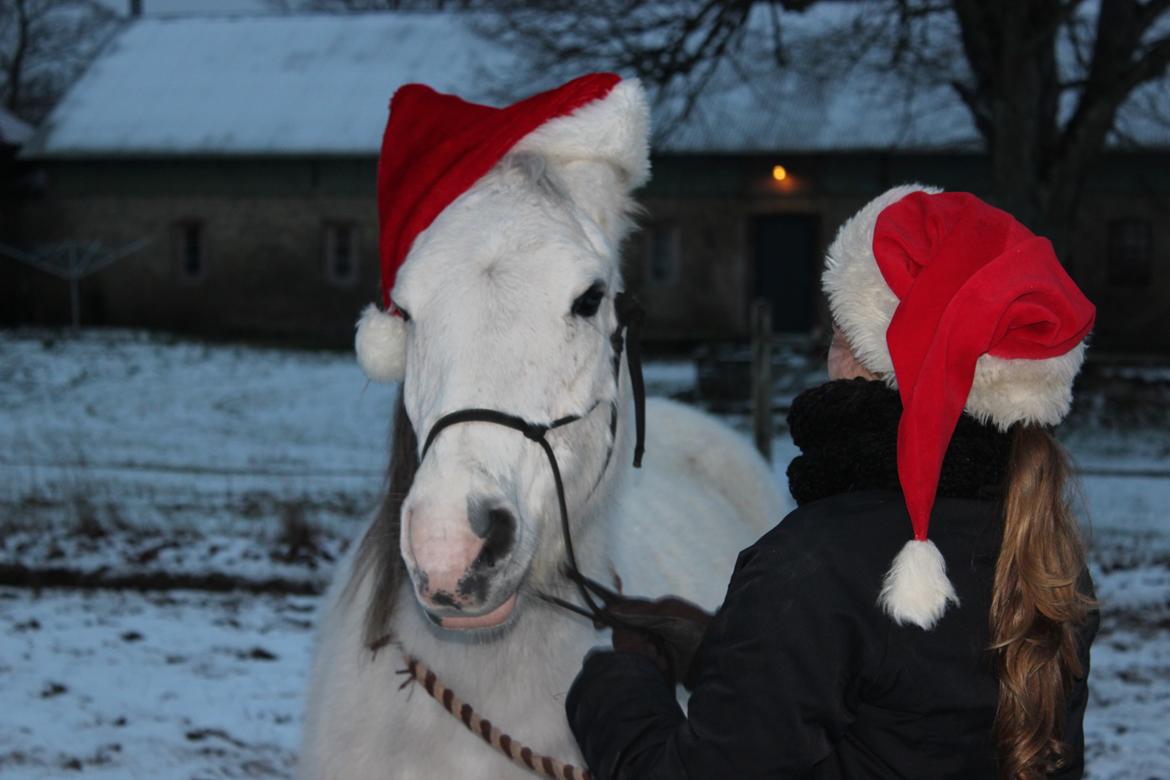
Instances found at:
x=379 y=554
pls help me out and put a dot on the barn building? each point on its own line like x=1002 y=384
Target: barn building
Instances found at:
x=232 y=161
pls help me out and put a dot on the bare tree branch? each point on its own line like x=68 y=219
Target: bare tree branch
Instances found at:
x=44 y=45
x=1043 y=80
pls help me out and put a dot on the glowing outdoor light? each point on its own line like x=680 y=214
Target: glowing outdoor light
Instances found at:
x=779 y=172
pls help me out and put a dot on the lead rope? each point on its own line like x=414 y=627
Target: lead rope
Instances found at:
x=517 y=752
x=630 y=317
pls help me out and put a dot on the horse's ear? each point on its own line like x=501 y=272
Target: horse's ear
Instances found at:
x=601 y=152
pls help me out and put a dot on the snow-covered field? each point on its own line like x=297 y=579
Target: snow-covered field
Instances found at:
x=135 y=460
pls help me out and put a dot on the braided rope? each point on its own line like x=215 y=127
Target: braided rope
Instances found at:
x=517 y=752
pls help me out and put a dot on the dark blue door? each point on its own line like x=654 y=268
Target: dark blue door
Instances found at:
x=786 y=268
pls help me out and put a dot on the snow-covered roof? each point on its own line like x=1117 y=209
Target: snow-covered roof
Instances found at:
x=258 y=85
x=320 y=85
x=13 y=131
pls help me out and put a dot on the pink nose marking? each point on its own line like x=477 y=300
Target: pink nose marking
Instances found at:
x=443 y=553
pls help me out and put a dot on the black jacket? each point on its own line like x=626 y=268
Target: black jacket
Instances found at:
x=802 y=675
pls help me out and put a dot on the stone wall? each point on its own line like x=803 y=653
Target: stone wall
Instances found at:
x=263 y=259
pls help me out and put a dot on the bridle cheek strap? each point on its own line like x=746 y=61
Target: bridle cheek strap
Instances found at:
x=630 y=317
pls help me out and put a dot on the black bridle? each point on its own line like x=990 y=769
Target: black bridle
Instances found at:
x=630 y=317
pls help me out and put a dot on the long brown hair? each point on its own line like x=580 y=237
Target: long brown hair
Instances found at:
x=1037 y=607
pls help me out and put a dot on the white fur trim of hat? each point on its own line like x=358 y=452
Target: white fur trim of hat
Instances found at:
x=615 y=129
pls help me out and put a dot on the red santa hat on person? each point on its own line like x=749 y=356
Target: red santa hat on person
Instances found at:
x=960 y=308
x=437 y=146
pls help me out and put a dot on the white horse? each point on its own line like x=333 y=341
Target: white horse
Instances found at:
x=510 y=295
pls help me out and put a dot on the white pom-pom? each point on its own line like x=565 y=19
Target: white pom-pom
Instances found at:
x=380 y=344
x=916 y=589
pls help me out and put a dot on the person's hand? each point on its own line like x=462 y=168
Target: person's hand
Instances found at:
x=666 y=630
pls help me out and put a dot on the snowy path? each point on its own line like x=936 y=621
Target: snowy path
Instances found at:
x=121 y=453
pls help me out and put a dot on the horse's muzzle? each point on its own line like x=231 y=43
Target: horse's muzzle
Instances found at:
x=456 y=562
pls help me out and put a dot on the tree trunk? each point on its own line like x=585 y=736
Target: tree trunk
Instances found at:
x=16 y=65
x=1011 y=48
x=1039 y=165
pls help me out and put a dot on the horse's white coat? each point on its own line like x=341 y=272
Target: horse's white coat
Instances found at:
x=489 y=287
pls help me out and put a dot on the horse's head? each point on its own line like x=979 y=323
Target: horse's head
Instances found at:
x=509 y=296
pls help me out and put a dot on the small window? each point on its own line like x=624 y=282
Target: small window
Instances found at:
x=662 y=255
x=341 y=253
x=190 y=251
x=1131 y=252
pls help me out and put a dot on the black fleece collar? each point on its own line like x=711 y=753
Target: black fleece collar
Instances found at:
x=847 y=431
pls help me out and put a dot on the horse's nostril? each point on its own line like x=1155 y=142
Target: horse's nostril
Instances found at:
x=499 y=525
x=498 y=518
x=496 y=525
x=482 y=516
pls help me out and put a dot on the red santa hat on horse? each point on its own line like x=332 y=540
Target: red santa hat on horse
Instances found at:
x=437 y=146
x=961 y=309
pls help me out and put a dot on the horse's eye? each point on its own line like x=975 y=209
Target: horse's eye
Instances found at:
x=589 y=301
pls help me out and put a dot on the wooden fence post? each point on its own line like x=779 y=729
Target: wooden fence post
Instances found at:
x=762 y=377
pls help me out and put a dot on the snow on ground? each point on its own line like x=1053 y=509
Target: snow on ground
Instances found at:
x=130 y=455
x=184 y=455
x=119 y=684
